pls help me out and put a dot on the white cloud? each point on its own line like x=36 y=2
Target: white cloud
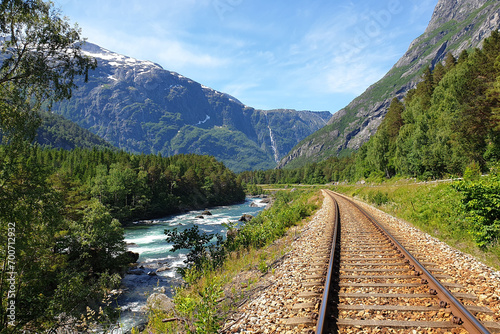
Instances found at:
x=353 y=79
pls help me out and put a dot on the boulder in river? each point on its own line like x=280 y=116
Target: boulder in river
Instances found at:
x=246 y=218
x=199 y=217
x=160 y=301
x=164 y=268
x=206 y=213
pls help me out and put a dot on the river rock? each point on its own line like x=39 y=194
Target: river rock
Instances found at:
x=164 y=268
x=135 y=272
x=199 y=217
x=159 y=301
x=206 y=213
x=246 y=218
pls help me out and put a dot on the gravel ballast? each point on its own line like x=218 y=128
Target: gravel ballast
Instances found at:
x=268 y=309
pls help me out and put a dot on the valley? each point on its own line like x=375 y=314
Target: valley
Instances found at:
x=94 y=141
x=139 y=107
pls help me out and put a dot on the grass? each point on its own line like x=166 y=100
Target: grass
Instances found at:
x=431 y=207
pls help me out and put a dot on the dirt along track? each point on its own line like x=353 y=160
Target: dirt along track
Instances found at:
x=370 y=296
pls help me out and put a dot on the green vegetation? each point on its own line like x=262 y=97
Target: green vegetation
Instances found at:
x=57 y=132
x=447 y=123
x=481 y=205
x=38 y=281
x=213 y=266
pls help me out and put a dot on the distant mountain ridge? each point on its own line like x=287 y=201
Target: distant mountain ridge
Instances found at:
x=456 y=25
x=140 y=107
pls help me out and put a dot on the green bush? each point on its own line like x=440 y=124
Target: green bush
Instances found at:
x=481 y=205
x=203 y=252
x=289 y=208
x=378 y=198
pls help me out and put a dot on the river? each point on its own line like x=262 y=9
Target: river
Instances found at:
x=154 y=253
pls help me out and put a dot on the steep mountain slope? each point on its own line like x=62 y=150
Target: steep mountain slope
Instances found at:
x=456 y=25
x=140 y=107
x=58 y=132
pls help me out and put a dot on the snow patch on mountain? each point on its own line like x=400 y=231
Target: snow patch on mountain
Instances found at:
x=116 y=59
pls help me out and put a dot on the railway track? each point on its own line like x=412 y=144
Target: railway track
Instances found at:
x=365 y=278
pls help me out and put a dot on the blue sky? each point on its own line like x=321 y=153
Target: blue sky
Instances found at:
x=300 y=54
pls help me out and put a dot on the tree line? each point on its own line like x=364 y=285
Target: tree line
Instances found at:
x=142 y=186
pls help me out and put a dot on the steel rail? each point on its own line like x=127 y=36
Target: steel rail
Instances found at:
x=462 y=316
x=320 y=325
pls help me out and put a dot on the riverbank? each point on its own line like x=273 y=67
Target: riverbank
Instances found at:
x=211 y=296
x=156 y=268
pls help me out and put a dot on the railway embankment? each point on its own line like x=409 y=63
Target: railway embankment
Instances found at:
x=289 y=298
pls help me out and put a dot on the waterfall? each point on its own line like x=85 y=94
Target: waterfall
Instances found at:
x=273 y=142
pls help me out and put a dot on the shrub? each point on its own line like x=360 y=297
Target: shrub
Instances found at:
x=378 y=198
x=481 y=205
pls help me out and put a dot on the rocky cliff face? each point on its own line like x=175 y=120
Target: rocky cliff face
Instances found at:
x=140 y=107
x=456 y=25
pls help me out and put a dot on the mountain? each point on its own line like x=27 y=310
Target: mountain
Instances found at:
x=456 y=25
x=142 y=108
